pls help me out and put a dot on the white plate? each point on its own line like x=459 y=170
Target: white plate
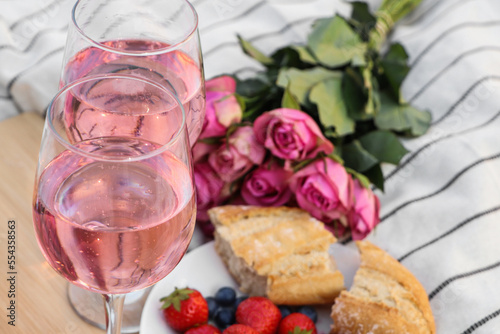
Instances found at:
x=203 y=270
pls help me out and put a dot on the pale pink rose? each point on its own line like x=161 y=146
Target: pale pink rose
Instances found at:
x=238 y=155
x=209 y=189
x=324 y=189
x=364 y=215
x=267 y=186
x=291 y=134
x=222 y=108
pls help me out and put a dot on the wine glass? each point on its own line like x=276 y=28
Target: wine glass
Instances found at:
x=156 y=40
x=114 y=207
x=153 y=39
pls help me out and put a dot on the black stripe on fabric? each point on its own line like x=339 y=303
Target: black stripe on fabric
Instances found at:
x=33 y=40
x=464 y=96
x=448 y=32
x=426 y=146
x=26 y=70
x=262 y=36
x=438 y=18
x=15 y=24
x=450 y=65
x=447 y=233
x=245 y=13
x=482 y=322
x=448 y=184
x=464 y=275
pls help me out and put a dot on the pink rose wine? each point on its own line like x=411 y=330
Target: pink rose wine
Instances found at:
x=114 y=226
x=172 y=69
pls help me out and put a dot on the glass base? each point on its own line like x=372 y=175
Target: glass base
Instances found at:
x=90 y=307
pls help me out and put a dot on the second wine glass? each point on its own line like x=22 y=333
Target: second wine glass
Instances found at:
x=157 y=40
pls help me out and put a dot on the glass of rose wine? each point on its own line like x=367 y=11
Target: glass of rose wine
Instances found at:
x=156 y=40
x=114 y=205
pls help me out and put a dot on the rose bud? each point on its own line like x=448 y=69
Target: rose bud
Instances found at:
x=222 y=108
x=324 y=189
x=364 y=215
x=238 y=155
x=267 y=186
x=291 y=134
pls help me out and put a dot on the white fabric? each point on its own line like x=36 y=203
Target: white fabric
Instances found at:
x=441 y=209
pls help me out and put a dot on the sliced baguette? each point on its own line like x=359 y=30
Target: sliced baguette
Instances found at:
x=278 y=252
x=385 y=299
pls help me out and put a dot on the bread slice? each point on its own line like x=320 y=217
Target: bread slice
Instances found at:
x=385 y=299
x=278 y=252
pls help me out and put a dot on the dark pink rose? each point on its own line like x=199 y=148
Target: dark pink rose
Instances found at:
x=238 y=155
x=364 y=215
x=291 y=134
x=267 y=186
x=222 y=108
x=209 y=189
x=324 y=189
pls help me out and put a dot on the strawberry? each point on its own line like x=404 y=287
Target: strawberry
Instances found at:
x=203 y=329
x=185 y=308
x=259 y=313
x=239 y=329
x=297 y=323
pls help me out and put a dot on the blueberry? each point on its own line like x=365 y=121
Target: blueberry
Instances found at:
x=225 y=296
x=239 y=300
x=213 y=306
x=224 y=317
x=285 y=310
x=309 y=311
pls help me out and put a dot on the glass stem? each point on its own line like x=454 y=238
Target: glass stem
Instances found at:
x=114 y=311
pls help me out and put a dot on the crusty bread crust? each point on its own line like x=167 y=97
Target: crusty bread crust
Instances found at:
x=278 y=252
x=385 y=298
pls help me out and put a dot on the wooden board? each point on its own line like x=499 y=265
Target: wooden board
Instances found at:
x=41 y=304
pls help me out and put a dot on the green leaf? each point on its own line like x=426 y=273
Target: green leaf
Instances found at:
x=253 y=52
x=361 y=13
x=289 y=101
x=334 y=43
x=402 y=118
x=331 y=107
x=395 y=65
x=357 y=157
x=300 y=82
x=305 y=54
x=384 y=146
x=354 y=95
x=376 y=177
x=287 y=57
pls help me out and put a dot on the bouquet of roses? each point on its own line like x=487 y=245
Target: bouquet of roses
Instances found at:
x=314 y=127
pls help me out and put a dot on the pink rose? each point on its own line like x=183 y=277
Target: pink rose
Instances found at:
x=209 y=189
x=291 y=134
x=324 y=189
x=238 y=155
x=364 y=215
x=267 y=186
x=222 y=108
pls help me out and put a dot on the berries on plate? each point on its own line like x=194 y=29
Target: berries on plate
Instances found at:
x=309 y=311
x=203 y=329
x=297 y=323
x=239 y=329
x=259 y=313
x=185 y=308
x=225 y=296
x=224 y=317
